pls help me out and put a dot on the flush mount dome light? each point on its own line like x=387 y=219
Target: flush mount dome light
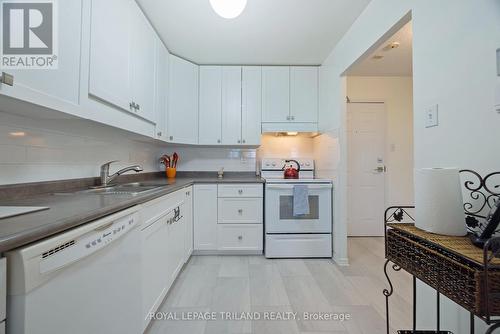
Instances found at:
x=228 y=9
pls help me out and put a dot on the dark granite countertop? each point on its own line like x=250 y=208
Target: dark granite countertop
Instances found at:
x=70 y=210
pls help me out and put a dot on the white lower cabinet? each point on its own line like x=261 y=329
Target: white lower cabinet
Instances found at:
x=187 y=214
x=205 y=217
x=240 y=210
x=228 y=218
x=163 y=236
x=157 y=267
x=237 y=237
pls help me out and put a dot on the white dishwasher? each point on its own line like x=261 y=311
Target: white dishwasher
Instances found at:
x=86 y=280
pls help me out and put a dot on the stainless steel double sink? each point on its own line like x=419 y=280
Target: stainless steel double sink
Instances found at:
x=131 y=189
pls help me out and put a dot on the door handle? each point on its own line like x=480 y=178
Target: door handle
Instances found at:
x=380 y=169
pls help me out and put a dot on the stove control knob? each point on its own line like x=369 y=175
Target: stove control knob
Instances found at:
x=308 y=164
x=274 y=164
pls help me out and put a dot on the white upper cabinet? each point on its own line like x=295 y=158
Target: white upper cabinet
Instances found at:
x=275 y=94
x=122 y=60
x=231 y=105
x=304 y=94
x=183 y=102
x=55 y=88
x=210 y=121
x=161 y=89
x=111 y=80
x=251 y=109
x=143 y=65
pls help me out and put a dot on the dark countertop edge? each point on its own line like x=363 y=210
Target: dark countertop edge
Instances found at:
x=47 y=230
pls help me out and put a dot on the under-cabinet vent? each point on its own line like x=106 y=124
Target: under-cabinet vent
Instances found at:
x=57 y=249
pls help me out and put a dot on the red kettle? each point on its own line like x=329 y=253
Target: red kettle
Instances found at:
x=290 y=172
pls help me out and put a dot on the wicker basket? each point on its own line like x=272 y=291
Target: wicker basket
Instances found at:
x=455 y=277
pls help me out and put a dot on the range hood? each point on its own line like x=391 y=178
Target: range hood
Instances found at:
x=268 y=127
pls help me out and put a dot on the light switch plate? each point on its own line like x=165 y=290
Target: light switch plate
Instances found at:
x=431 y=116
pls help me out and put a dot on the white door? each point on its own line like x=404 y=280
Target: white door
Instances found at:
x=251 y=108
x=231 y=105
x=183 y=102
x=304 y=94
x=205 y=217
x=110 y=40
x=210 y=105
x=366 y=169
x=275 y=94
x=143 y=65
x=161 y=89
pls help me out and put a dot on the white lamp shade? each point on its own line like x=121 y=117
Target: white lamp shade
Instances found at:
x=228 y=9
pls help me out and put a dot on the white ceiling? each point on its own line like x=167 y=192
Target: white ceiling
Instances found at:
x=295 y=32
x=395 y=62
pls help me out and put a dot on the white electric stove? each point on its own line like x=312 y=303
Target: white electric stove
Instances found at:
x=296 y=236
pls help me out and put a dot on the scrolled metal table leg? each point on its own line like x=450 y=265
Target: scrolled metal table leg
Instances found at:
x=388 y=292
x=492 y=328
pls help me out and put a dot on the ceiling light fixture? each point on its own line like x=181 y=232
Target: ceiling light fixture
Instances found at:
x=228 y=9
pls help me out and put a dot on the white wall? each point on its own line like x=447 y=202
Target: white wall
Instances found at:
x=397 y=95
x=454 y=66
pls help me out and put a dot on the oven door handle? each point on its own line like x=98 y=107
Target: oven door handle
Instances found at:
x=290 y=186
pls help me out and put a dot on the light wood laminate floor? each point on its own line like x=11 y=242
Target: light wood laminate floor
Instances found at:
x=260 y=286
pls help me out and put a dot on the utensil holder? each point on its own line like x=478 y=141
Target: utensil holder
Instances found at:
x=171 y=172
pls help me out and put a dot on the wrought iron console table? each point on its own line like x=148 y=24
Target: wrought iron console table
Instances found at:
x=453 y=266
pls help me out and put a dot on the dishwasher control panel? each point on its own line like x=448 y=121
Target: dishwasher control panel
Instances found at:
x=86 y=244
x=108 y=234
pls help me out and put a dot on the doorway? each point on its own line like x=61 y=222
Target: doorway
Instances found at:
x=379 y=133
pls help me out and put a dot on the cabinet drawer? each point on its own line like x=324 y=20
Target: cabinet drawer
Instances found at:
x=240 y=210
x=240 y=190
x=238 y=237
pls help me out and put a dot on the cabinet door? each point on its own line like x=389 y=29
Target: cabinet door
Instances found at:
x=231 y=105
x=183 y=102
x=251 y=109
x=143 y=64
x=157 y=265
x=275 y=94
x=161 y=89
x=304 y=94
x=51 y=87
x=176 y=238
x=205 y=217
x=110 y=77
x=188 y=217
x=210 y=105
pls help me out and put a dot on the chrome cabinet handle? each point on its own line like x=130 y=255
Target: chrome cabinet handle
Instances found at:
x=159 y=133
x=240 y=191
x=137 y=107
x=293 y=118
x=239 y=141
x=240 y=211
x=218 y=141
x=132 y=105
x=287 y=118
x=240 y=237
x=171 y=137
x=244 y=141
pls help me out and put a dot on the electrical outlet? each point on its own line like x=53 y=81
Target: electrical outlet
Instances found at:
x=431 y=117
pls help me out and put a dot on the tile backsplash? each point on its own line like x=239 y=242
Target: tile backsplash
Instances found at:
x=54 y=149
x=44 y=150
